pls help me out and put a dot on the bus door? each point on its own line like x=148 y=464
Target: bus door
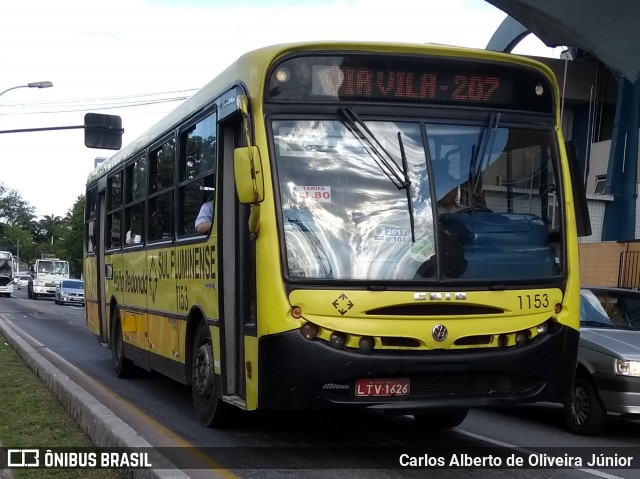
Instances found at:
x=236 y=264
x=100 y=226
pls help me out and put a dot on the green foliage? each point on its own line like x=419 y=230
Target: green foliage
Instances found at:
x=73 y=237
x=14 y=211
x=20 y=230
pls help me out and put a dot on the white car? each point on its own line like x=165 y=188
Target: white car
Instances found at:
x=22 y=281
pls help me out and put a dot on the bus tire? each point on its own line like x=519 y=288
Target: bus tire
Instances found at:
x=34 y=296
x=442 y=419
x=122 y=366
x=209 y=407
x=584 y=414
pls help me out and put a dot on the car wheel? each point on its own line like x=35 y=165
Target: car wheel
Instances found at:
x=442 y=419
x=122 y=366
x=209 y=408
x=584 y=414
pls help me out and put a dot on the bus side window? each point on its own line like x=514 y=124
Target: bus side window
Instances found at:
x=197 y=165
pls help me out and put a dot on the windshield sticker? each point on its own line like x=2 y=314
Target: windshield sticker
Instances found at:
x=320 y=194
x=421 y=250
x=390 y=234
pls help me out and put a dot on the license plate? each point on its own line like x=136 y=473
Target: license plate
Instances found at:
x=383 y=387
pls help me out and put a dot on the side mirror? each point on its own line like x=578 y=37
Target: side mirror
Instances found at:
x=247 y=171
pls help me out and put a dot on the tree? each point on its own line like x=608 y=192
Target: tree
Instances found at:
x=52 y=226
x=18 y=238
x=13 y=209
x=73 y=237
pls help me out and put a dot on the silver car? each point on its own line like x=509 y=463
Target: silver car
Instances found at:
x=70 y=291
x=608 y=374
x=22 y=281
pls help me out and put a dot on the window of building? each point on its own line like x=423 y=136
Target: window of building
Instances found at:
x=601 y=184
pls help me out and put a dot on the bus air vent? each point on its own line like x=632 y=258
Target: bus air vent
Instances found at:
x=434 y=309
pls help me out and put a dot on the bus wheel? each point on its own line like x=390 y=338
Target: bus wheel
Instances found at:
x=34 y=296
x=584 y=414
x=210 y=409
x=122 y=366
x=442 y=419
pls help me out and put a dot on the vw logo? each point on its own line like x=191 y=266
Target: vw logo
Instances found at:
x=439 y=332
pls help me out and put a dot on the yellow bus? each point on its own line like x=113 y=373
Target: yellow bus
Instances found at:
x=393 y=228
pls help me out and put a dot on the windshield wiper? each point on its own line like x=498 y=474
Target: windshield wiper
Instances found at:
x=478 y=154
x=398 y=176
x=407 y=188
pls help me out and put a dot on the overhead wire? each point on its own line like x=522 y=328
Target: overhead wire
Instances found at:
x=99 y=103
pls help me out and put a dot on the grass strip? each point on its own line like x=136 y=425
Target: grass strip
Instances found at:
x=30 y=416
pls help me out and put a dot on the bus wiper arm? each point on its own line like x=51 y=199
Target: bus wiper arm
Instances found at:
x=405 y=170
x=380 y=155
x=383 y=158
x=486 y=145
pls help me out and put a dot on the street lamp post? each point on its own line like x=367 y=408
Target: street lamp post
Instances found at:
x=37 y=84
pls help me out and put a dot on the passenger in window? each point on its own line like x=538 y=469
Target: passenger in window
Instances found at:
x=205 y=217
x=132 y=237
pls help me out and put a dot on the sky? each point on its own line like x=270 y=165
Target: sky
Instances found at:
x=140 y=58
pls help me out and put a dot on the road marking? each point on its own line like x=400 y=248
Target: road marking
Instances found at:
x=593 y=472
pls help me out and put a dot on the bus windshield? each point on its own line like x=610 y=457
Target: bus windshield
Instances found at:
x=483 y=203
x=6 y=265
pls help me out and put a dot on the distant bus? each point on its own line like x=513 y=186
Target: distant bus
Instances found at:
x=393 y=228
x=47 y=274
x=7 y=267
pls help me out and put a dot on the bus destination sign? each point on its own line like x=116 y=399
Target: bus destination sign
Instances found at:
x=373 y=83
x=423 y=80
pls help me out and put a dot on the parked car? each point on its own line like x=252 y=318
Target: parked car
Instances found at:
x=608 y=373
x=70 y=291
x=22 y=281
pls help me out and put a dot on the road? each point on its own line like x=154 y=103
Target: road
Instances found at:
x=314 y=444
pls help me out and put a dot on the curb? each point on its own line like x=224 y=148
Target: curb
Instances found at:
x=101 y=424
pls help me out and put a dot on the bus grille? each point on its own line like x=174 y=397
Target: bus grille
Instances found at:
x=471 y=385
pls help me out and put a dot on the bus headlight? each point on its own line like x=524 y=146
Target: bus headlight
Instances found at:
x=628 y=368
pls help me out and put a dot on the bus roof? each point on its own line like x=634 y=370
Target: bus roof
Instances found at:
x=251 y=68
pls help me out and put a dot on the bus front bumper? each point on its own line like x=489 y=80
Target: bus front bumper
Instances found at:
x=296 y=373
